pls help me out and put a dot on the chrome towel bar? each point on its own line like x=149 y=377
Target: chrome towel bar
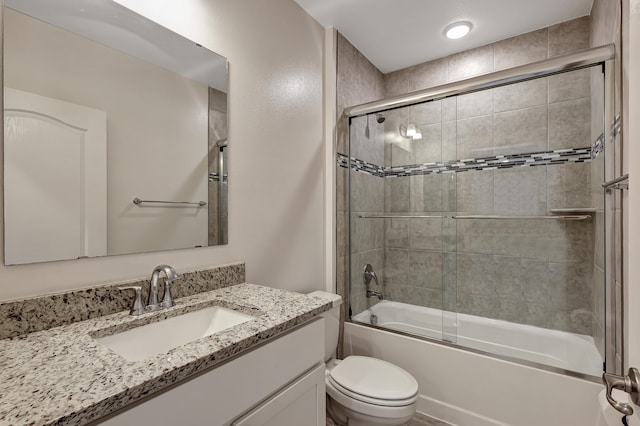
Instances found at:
x=618 y=183
x=398 y=216
x=137 y=201
x=553 y=217
x=492 y=217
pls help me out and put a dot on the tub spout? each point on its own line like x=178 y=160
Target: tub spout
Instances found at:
x=377 y=294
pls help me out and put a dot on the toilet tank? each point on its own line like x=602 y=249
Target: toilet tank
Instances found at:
x=331 y=323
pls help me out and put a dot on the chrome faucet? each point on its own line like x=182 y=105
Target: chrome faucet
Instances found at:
x=152 y=303
x=377 y=294
x=167 y=300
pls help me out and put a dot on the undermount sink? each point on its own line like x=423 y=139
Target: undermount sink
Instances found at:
x=160 y=337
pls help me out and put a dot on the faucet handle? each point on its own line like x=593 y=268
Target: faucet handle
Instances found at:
x=167 y=300
x=138 y=306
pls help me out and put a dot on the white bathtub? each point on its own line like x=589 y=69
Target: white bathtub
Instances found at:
x=569 y=351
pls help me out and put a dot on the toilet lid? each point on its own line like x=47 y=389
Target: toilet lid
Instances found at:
x=374 y=378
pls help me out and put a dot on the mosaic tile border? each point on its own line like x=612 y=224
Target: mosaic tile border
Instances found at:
x=560 y=156
x=215 y=177
x=597 y=147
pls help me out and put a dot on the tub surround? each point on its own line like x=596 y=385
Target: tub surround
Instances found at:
x=44 y=312
x=63 y=376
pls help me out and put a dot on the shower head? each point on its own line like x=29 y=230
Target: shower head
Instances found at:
x=380 y=118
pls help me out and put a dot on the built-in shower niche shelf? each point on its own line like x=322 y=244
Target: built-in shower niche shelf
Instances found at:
x=578 y=210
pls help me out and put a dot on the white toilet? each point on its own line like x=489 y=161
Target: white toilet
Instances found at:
x=363 y=390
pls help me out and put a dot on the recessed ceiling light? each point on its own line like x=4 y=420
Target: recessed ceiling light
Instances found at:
x=457 y=29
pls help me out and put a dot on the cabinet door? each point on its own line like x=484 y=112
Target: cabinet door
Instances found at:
x=301 y=403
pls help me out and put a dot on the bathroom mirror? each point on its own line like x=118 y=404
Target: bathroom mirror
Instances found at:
x=115 y=134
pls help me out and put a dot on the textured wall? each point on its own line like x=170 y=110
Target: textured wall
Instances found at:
x=276 y=193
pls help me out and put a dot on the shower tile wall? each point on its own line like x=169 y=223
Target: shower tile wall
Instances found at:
x=535 y=272
x=358 y=81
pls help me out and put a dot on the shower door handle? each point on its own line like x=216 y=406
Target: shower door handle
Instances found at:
x=629 y=383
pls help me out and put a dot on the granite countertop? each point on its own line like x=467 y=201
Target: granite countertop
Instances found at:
x=63 y=376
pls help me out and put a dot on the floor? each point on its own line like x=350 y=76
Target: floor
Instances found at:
x=422 y=420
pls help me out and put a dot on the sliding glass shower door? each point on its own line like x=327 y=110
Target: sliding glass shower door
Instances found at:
x=482 y=216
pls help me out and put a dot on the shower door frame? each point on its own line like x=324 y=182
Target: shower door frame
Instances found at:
x=587 y=58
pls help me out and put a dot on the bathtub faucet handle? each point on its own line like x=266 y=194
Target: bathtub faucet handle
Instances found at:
x=629 y=383
x=369 y=274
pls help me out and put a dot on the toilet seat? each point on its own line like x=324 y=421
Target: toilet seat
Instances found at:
x=373 y=381
x=367 y=409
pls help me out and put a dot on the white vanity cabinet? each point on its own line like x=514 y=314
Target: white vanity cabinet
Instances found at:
x=280 y=383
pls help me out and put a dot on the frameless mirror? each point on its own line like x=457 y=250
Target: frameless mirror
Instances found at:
x=115 y=134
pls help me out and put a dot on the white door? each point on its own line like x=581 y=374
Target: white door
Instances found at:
x=55 y=179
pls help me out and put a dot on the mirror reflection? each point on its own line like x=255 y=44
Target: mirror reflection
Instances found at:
x=102 y=107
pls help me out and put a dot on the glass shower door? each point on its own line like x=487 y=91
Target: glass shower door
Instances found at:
x=399 y=225
x=482 y=217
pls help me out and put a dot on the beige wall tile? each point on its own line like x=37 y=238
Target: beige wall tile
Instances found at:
x=471 y=62
x=396 y=267
x=522 y=49
x=568 y=186
x=520 y=191
x=569 y=36
x=396 y=233
x=520 y=95
x=475 y=137
x=571 y=85
x=569 y=124
x=429 y=74
x=474 y=104
x=429 y=148
x=521 y=131
x=426 y=193
x=426 y=113
x=425 y=269
x=508 y=277
x=425 y=234
x=474 y=192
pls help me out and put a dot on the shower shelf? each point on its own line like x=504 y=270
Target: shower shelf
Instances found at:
x=574 y=217
x=574 y=210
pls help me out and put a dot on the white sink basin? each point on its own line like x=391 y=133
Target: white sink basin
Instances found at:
x=159 y=337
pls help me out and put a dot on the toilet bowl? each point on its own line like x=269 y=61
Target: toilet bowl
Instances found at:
x=363 y=390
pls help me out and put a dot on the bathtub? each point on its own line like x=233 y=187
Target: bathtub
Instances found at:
x=568 y=351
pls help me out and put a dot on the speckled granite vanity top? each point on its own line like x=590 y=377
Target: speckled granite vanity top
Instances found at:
x=64 y=376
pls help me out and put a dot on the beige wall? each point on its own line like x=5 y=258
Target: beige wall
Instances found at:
x=156 y=128
x=276 y=161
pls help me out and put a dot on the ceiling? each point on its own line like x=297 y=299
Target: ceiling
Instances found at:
x=395 y=34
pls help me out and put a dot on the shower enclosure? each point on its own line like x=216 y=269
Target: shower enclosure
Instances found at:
x=479 y=206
